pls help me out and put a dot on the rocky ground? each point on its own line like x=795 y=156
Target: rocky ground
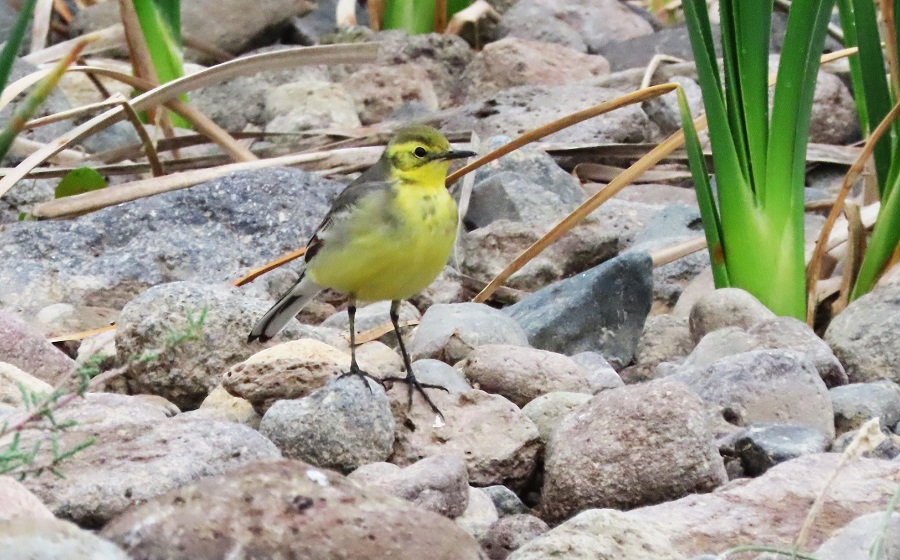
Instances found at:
x=598 y=408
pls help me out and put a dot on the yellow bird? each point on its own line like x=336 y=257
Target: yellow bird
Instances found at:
x=387 y=236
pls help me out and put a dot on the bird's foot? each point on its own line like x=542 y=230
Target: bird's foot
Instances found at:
x=356 y=372
x=413 y=384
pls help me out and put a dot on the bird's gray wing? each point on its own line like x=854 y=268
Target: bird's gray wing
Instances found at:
x=371 y=181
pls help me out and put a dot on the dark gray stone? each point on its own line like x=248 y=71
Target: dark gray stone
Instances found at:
x=505 y=500
x=601 y=310
x=857 y=403
x=345 y=424
x=763 y=446
x=512 y=196
x=205 y=233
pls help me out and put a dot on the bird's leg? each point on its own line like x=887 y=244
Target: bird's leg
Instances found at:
x=354 y=367
x=410 y=379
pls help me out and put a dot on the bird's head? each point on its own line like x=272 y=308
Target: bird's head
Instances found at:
x=421 y=155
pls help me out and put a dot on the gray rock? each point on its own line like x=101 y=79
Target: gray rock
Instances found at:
x=105 y=410
x=309 y=105
x=25 y=347
x=505 y=500
x=857 y=403
x=439 y=483
x=523 y=374
x=665 y=338
x=510 y=533
x=37 y=539
x=833 y=119
x=239 y=23
x=130 y=463
x=638 y=51
x=888 y=449
x=726 y=307
x=286 y=509
x=865 y=337
x=450 y=332
x=600 y=534
x=381 y=92
x=548 y=410
x=856 y=539
x=777 y=386
x=436 y=372
x=601 y=310
x=637 y=445
x=20 y=503
x=205 y=233
x=602 y=375
x=515 y=197
x=21 y=199
x=664 y=110
x=187 y=373
x=480 y=514
x=720 y=343
x=375 y=315
x=54 y=103
x=345 y=424
x=762 y=446
x=534 y=21
x=793 y=334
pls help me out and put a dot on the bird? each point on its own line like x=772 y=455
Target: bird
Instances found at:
x=387 y=236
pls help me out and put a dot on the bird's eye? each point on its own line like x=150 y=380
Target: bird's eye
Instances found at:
x=420 y=152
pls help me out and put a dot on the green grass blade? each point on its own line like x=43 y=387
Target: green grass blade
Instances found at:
x=884 y=240
x=848 y=26
x=14 y=42
x=734 y=104
x=412 y=16
x=170 y=10
x=163 y=43
x=712 y=227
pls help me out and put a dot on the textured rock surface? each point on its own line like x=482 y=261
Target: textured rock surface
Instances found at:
x=27 y=539
x=480 y=514
x=19 y=503
x=548 y=410
x=726 y=307
x=26 y=348
x=510 y=533
x=855 y=540
x=450 y=332
x=762 y=446
x=857 y=403
x=13 y=381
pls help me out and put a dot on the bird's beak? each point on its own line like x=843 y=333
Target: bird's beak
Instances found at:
x=454 y=154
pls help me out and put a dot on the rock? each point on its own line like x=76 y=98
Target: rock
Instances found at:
x=24 y=347
x=499 y=443
x=435 y=372
x=602 y=310
x=533 y=21
x=522 y=374
x=833 y=119
x=439 y=483
x=627 y=447
x=888 y=449
x=726 y=307
x=720 y=343
x=793 y=334
x=505 y=500
x=110 y=410
x=602 y=375
x=480 y=514
x=777 y=502
x=286 y=509
x=381 y=359
x=664 y=110
x=233 y=408
x=54 y=103
x=343 y=425
x=600 y=534
x=762 y=446
x=238 y=23
x=301 y=106
x=488 y=250
x=865 y=336
x=130 y=463
x=637 y=52
x=517 y=110
x=856 y=539
x=13 y=381
x=514 y=62
x=855 y=404
x=207 y=232
x=290 y=370
x=28 y=539
x=449 y=332
x=516 y=197
x=379 y=92
x=19 y=502
x=548 y=410
x=446 y=288
x=188 y=371
x=510 y=533
x=665 y=338
x=372 y=316
x=777 y=386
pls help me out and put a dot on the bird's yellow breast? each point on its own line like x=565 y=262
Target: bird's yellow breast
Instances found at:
x=392 y=245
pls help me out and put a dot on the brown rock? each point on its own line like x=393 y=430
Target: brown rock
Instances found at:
x=665 y=338
x=13 y=380
x=19 y=503
x=286 y=509
x=40 y=539
x=772 y=508
x=510 y=533
x=26 y=348
x=379 y=91
x=726 y=307
x=234 y=409
x=548 y=410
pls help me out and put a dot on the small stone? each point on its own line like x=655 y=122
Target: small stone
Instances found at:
x=450 y=332
x=24 y=347
x=726 y=307
x=856 y=539
x=548 y=410
x=438 y=483
x=345 y=424
x=27 y=538
x=601 y=310
x=505 y=500
x=499 y=443
x=287 y=509
x=233 y=408
x=665 y=338
x=435 y=372
x=777 y=386
x=480 y=514
x=522 y=374
x=19 y=503
x=372 y=316
x=857 y=403
x=833 y=119
x=511 y=533
x=627 y=447
x=13 y=381
x=762 y=446
x=602 y=375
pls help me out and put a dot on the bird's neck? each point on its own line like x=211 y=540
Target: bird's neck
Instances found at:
x=430 y=176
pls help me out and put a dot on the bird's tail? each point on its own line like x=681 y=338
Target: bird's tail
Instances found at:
x=287 y=307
